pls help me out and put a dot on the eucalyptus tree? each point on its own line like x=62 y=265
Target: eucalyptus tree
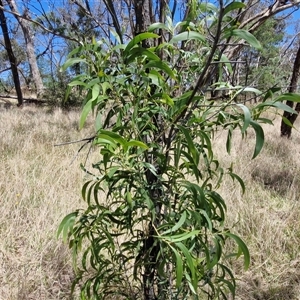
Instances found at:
x=22 y=18
x=262 y=68
x=74 y=21
x=11 y=56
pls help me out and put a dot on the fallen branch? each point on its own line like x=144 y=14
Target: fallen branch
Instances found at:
x=26 y=99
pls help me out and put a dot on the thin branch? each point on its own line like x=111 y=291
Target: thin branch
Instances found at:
x=230 y=61
x=39 y=24
x=86 y=140
x=203 y=74
x=4 y=70
x=88 y=13
x=291 y=43
x=78 y=151
x=202 y=80
x=110 y=7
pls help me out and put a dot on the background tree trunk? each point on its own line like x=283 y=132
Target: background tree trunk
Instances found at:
x=143 y=15
x=28 y=35
x=286 y=130
x=11 y=56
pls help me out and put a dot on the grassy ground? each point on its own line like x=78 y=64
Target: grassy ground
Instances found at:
x=267 y=216
x=41 y=183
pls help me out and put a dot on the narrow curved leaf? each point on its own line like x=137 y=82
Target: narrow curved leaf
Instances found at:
x=243 y=249
x=139 y=38
x=66 y=225
x=113 y=135
x=252 y=90
x=245 y=35
x=208 y=220
x=207 y=7
x=188 y=35
x=278 y=105
x=95 y=92
x=135 y=143
x=166 y=99
x=229 y=139
x=75 y=51
x=190 y=263
x=70 y=62
x=138 y=52
x=77 y=82
x=85 y=111
x=232 y=6
x=158 y=25
x=179 y=267
x=239 y=179
x=179 y=237
x=150 y=167
x=260 y=138
x=191 y=146
x=247 y=116
x=162 y=66
x=289 y=97
x=156 y=78
x=288 y=122
x=270 y=92
x=178 y=224
x=83 y=190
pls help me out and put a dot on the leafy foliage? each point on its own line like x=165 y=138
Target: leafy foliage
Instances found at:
x=265 y=69
x=154 y=223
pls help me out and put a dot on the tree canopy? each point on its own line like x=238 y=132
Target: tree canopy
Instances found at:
x=49 y=30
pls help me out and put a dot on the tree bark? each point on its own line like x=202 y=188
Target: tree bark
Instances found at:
x=143 y=15
x=11 y=56
x=28 y=35
x=285 y=129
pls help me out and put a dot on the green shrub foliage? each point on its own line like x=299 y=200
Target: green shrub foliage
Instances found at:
x=154 y=223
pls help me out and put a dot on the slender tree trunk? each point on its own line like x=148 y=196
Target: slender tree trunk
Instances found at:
x=11 y=56
x=285 y=129
x=111 y=9
x=144 y=17
x=28 y=35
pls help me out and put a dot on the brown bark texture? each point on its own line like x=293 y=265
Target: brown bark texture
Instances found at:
x=28 y=35
x=11 y=56
x=285 y=129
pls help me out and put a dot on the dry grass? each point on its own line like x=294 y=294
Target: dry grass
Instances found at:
x=268 y=215
x=39 y=186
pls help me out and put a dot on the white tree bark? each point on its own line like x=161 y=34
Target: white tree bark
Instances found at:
x=29 y=40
